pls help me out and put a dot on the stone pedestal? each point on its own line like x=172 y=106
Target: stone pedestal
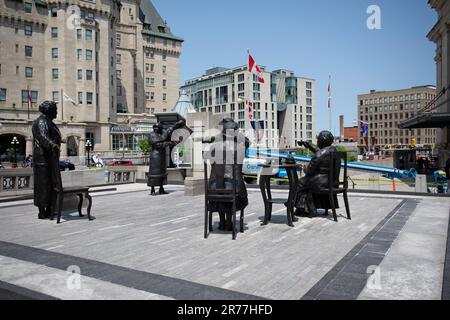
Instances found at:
x=421 y=184
x=203 y=125
x=29 y=147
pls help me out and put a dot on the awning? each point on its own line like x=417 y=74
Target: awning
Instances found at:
x=427 y=120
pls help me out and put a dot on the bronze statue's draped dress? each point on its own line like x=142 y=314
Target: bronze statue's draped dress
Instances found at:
x=157 y=175
x=47 y=175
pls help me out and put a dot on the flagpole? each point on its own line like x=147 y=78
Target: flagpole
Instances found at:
x=62 y=104
x=29 y=98
x=330 y=113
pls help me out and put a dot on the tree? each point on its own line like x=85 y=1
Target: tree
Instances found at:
x=145 y=146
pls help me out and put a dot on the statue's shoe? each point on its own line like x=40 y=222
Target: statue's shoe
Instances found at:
x=301 y=213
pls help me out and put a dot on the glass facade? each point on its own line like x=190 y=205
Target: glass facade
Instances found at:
x=127 y=142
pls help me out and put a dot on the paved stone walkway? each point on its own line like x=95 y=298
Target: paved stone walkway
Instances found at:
x=143 y=247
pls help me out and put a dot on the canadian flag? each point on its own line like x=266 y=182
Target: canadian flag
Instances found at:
x=250 y=109
x=253 y=68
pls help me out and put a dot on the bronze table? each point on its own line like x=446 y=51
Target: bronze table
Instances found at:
x=269 y=172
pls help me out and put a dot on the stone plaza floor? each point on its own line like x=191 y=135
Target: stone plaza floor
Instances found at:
x=143 y=247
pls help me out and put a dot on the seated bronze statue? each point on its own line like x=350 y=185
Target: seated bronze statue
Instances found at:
x=222 y=170
x=46 y=153
x=316 y=176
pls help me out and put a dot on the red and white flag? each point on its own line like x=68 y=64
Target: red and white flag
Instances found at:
x=249 y=109
x=30 y=100
x=253 y=68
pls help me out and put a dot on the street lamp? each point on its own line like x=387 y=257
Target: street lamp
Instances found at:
x=88 y=149
x=15 y=143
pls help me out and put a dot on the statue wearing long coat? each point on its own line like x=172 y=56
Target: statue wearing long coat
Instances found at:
x=47 y=175
x=157 y=175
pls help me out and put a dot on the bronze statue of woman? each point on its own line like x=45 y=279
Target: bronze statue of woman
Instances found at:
x=160 y=139
x=46 y=153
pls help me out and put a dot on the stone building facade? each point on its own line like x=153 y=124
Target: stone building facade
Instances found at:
x=285 y=103
x=90 y=57
x=383 y=111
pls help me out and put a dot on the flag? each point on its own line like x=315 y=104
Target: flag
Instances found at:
x=67 y=98
x=30 y=99
x=364 y=128
x=249 y=105
x=253 y=68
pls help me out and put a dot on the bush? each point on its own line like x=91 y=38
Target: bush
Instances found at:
x=145 y=146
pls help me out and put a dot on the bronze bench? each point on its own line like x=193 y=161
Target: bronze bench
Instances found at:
x=81 y=192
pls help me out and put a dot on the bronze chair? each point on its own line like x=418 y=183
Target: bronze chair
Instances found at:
x=222 y=194
x=336 y=186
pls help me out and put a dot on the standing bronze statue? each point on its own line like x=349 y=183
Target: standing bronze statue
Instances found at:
x=46 y=153
x=224 y=145
x=316 y=174
x=160 y=139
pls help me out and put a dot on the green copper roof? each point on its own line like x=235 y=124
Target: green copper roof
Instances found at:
x=162 y=35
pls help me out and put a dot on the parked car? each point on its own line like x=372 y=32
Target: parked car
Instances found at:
x=66 y=166
x=121 y=163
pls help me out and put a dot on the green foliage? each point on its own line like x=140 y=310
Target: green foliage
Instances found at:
x=181 y=151
x=304 y=152
x=10 y=152
x=145 y=146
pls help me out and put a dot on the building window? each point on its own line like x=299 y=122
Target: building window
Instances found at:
x=119 y=91
x=28 y=29
x=89 y=97
x=80 y=97
x=55 y=74
x=28 y=51
x=118 y=59
x=54 y=11
x=147 y=95
x=88 y=74
x=55 y=53
x=2 y=94
x=164 y=69
x=118 y=75
x=164 y=83
x=78 y=34
x=90 y=15
x=164 y=56
x=80 y=74
x=28 y=72
x=33 y=94
x=164 y=97
x=118 y=40
x=27 y=7
x=88 y=35
x=88 y=55
x=55 y=96
x=79 y=54
x=54 y=32
x=152 y=96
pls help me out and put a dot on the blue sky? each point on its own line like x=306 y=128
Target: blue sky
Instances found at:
x=313 y=38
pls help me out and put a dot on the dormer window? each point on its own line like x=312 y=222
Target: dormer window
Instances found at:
x=162 y=29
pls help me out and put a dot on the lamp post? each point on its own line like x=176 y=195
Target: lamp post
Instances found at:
x=88 y=149
x=15 y=142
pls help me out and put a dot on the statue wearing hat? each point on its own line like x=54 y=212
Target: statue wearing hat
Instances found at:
x=224 y=146
x=46 y=153
x=160 y=140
